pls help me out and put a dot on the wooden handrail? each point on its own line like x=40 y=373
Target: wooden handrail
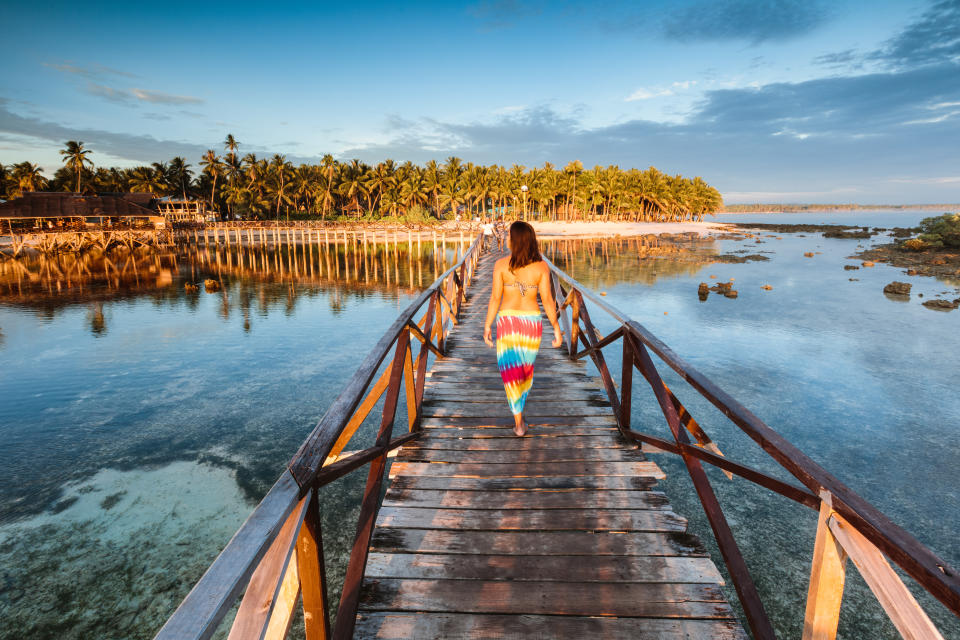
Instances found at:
x=862 y=518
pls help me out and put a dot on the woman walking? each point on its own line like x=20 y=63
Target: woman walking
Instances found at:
x=517 y=279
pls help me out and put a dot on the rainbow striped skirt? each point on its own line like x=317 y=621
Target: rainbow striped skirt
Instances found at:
x=518 y=340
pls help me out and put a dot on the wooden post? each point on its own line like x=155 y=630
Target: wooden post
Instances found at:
x=827 y=575
x=313 y=574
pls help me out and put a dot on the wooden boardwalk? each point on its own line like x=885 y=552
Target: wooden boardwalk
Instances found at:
x=558 y=534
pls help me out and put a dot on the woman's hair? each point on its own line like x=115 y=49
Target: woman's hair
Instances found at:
x=524 y=249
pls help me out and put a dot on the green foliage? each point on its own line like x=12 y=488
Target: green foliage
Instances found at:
x=242 y=184
x=941 y=231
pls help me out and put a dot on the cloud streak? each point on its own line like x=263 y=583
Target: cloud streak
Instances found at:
x=754 y=21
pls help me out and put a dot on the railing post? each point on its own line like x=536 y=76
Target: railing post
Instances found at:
x=626 y=380
x=575 y=325
x=350 y=597
x=827 y=576
x=313 y=573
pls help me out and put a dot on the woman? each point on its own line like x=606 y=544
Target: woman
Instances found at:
x=517 y=279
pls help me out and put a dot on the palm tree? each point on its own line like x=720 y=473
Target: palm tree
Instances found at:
x=212 y=166
x=146 y=180
x=329 y=171
x=28 y=177
x=75 y=157
x=180 y=175
x=433 y=179
x=280 y=174
x=573 y=171
x=382 y=178
x=353 y=184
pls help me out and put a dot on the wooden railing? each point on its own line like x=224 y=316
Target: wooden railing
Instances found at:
x=277 y=554
x=848 y=526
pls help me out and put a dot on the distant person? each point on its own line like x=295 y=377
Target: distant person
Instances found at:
x=517 y=279
x=488 y=235
x=499 y=231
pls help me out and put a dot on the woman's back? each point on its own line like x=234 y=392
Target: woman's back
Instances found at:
x=520 y=286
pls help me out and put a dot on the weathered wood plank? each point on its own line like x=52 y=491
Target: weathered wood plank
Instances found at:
x=560 y=568
x=514 y=499
x=599 y=441
x=538 y=543
x=584 y=519
x=558 y=483
x=500 y=433
x=532 y=410
x=402 y=626
x=528 y=470
x=553 y=598
x=507 y=420
x=518 y=456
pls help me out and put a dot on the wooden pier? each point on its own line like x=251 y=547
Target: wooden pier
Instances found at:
x=557 y=534
x=561 y=533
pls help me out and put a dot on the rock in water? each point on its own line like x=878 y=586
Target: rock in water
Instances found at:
x=868 y=264
x=766 y=287
x=850 y=267
x=191 y=288
x=808 y=254
x=898 y=288
x=942 y=305
x=730 y=293
x=211 y=285
x=703 y=291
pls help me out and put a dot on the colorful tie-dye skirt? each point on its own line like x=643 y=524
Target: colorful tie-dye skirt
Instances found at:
x=518 y=340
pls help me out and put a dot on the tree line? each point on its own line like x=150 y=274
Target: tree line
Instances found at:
x=274 y=187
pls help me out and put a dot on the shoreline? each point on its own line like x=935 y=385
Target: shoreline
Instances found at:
x=575 y=229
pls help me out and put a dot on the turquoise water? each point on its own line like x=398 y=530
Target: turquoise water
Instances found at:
x=141 y=422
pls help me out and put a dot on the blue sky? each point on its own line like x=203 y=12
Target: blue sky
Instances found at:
x=768 y=100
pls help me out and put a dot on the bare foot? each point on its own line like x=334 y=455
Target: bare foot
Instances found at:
x=520 y=429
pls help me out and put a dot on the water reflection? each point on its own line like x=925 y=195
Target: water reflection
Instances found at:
x=248 y=279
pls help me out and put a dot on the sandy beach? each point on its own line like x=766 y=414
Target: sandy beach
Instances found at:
x=608 y=229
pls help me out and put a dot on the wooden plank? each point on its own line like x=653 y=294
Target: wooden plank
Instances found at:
x=313 y=574
x=538 y=543
x=403 y=626
x=558 y=483
x=552 y=598
x=540 y=442
x=904 y=611
x=827 y=576
x=584 y=519
x=515 y=499
x=528 y=470
x=507 y=420
x=457 y=409
x=518 y=456
x=500 y=433
x=559 y=568
x=265 y=590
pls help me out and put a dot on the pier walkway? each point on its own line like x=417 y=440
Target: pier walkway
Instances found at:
x=557 y=534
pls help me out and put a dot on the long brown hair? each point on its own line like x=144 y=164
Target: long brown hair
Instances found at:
x=524 y=248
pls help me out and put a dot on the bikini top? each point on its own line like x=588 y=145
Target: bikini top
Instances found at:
x=523 y=287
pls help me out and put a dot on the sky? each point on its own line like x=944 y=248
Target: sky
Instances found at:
x=767 y=100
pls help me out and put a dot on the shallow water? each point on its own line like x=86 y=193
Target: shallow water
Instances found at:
x=141 y=422
x=865 y=384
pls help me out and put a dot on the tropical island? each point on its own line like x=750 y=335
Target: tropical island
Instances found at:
x=250 y=187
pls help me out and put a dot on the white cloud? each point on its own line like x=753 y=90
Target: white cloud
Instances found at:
x=159 y=97
x=660 y=92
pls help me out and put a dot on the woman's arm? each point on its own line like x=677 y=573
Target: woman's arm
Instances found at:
x=546 y=297
x=495 y=294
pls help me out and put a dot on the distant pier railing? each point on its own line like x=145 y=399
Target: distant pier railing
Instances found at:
x=277 y=554
x=847 y=526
